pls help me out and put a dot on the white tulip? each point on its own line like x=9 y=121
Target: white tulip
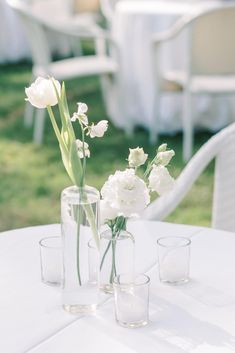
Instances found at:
x=42 y=92
x=136 y=157
x=99 y=129
x=165 y=157
x=160 y=180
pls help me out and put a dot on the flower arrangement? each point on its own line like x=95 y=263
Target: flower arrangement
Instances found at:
x=126 y=194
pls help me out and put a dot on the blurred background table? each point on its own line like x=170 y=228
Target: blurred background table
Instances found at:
x=133 y=24
x=197 y=317
x=13 y=40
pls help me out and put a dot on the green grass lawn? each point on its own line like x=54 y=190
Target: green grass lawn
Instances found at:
x=32 y=177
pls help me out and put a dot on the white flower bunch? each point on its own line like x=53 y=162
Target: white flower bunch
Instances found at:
x=48 y=92
x=125 y=194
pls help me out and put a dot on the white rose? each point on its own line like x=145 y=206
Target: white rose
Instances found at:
x=126 y=193
x=80 y=149
x=99 y=129
x=136 y=157
x=165 y=157
x=160 y=180
x=107 y=212
x=42 y=92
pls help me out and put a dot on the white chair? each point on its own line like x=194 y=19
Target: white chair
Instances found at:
x=98 y=64
x=107 y=9
x=210 y=67
x=221 y=147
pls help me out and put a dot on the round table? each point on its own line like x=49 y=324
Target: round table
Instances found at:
x=198 y=317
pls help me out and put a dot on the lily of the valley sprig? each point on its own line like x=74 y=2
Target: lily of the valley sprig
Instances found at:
x=48 y=92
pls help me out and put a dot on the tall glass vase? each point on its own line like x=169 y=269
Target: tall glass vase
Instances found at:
x=116 y=257
x=79 y=221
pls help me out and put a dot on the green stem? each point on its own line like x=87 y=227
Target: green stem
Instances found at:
x=78 y=244
x=113 y=269
x=103 y=258
x=56 y=129
x=84 y=157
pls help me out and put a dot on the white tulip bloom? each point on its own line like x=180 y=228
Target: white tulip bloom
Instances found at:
x=42 y=92
x=137 y=157
x=126 y=193
x=99 y=129
x=160 y=180
x=80 y=149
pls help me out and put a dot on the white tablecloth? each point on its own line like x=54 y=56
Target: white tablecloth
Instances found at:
x=198 y=317
x=14 y=44
x=133 y=25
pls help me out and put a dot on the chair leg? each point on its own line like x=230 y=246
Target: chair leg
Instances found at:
x=28 y=115
x=39 y=126
x=187 y=126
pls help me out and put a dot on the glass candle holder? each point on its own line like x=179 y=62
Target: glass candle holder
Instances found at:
x=51 y=260
x=174 y=259
x=131 y=300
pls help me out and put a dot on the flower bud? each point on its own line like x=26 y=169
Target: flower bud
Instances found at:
x=162 y=147
x=160 y=180
x=164 y=158
x=136 y=157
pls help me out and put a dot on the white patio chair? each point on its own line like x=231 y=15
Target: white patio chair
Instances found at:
x=221 y=147
x=210 y=67
x=107 y=8
x=98 y=64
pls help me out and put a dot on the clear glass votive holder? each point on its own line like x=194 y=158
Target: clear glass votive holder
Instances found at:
x=131 y=296
x=174 y=259
x=51 y=260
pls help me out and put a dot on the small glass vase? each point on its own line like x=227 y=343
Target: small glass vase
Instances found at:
x=79 y=222
x=116 y=257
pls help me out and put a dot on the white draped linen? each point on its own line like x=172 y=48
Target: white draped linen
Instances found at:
x=133 y=24
x=13 y=42
x=198 y=317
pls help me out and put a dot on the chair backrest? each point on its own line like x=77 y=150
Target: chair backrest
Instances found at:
x=89 y=6
x=107 y=8
x=212 y=42
x=221 y=147
x=44 y=8
x=35 y=31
